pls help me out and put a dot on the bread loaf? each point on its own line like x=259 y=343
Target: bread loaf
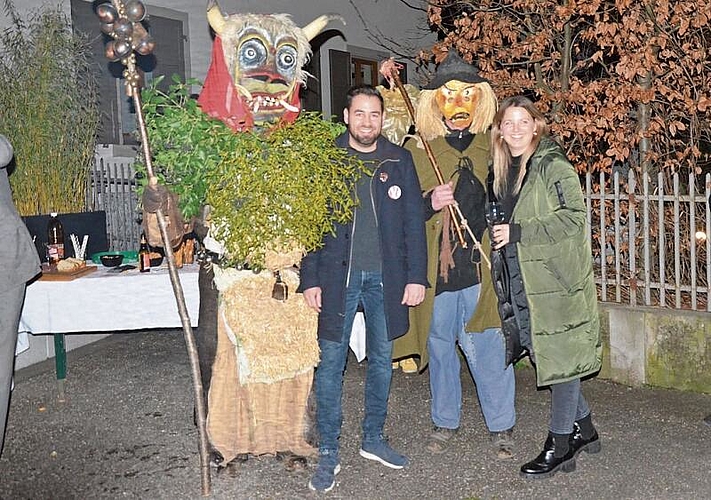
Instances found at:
x=70 y=264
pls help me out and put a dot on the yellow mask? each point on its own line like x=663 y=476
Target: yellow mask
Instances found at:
x=457 y=101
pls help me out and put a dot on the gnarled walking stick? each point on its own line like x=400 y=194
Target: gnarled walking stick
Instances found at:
x=133 y=37
x=390 y=70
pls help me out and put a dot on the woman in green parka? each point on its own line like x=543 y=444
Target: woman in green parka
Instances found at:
x=544 y=277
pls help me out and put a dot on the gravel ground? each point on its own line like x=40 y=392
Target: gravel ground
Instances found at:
x=126 y=431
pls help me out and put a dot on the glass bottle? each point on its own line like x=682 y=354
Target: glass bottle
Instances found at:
x=144 y=256
x=55 y=239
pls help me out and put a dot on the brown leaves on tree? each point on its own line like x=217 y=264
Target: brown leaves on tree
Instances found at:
x=607 y=73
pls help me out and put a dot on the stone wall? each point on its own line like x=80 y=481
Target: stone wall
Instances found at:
x=658 y=347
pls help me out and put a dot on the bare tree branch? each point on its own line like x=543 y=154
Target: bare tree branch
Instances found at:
x=393 y=45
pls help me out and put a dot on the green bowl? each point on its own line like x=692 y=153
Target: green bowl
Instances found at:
x=128 y=256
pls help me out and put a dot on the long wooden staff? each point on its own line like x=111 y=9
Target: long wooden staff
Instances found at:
x=143 y=44
x=389 y=69
x=180 y=301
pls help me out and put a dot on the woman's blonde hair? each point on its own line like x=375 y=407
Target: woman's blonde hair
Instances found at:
x=500 y=153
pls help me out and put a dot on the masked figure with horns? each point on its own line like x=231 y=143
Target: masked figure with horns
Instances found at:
x=256 y=71
x=453 y=113
x=256 y=342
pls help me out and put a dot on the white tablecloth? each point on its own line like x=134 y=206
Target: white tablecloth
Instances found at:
x=106 y=302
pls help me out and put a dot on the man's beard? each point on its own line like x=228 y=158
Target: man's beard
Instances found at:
x=364 y=140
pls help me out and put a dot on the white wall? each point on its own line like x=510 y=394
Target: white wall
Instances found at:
x=385 y=19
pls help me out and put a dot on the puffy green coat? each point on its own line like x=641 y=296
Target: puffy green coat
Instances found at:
x=556 y=268
x=486 y=315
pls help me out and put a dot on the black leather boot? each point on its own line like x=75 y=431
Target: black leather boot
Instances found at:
x=579 y=443
x=548 y=462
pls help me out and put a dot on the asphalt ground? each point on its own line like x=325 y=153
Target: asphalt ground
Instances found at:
x=126 y=431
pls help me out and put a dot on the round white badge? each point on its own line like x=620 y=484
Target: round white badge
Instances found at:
x=394 y=192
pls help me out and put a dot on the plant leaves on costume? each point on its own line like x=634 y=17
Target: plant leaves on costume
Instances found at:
x=278 y=190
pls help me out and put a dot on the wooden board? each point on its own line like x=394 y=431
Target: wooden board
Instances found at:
x=48 y=275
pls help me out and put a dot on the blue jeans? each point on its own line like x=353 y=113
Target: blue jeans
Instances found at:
x=366 y=288
x=485 y=355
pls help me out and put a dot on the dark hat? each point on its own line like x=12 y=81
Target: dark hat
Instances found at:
x=454 y=68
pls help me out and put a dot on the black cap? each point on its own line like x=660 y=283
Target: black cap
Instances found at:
x=454 y=68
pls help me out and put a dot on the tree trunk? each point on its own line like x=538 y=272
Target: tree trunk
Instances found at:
x=643 y=117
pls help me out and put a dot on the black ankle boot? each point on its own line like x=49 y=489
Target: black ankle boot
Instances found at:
x=548 y=462
x=580 y=443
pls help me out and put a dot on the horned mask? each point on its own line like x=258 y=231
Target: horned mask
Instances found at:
x=257 y=67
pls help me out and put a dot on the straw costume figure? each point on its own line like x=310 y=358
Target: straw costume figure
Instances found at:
x=256 y=341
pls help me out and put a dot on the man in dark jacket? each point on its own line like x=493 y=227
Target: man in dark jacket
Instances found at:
x=18 y=264
x=379 y=260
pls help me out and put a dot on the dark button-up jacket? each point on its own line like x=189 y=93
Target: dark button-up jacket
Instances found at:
x=397 y=198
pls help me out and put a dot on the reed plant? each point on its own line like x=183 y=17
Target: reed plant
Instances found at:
x=48 y=110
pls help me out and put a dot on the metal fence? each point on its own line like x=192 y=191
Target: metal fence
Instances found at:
x=651 y=239
x=113 y=189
